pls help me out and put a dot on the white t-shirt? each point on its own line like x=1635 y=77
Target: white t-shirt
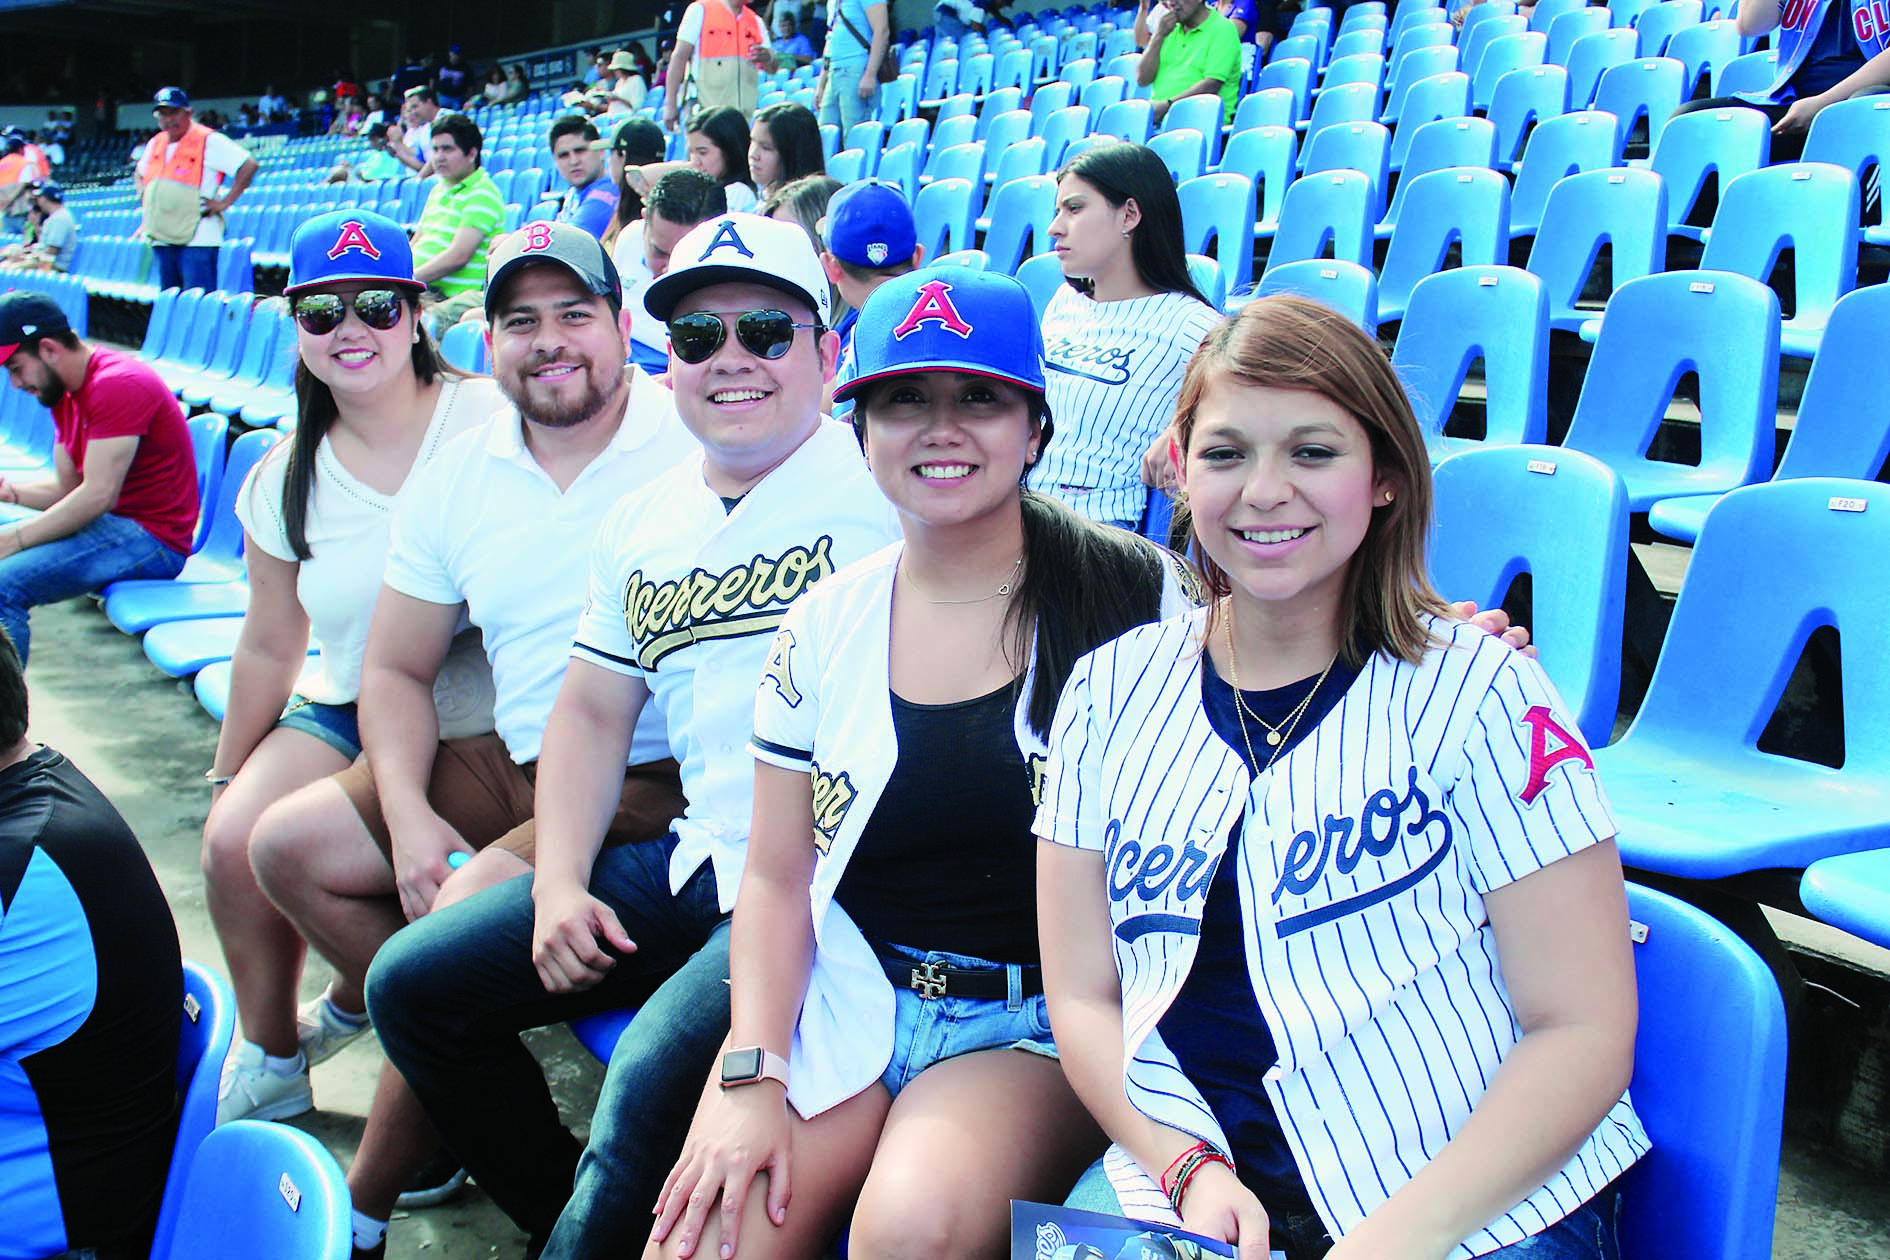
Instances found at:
x=741 y=197
x=690 y=32
x=346 y=528
x=419 y=138
x=485 y=525
x=1113 y=373
x=222 y=158
x=687 y=593
x=634 y=269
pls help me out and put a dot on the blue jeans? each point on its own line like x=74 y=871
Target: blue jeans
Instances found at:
x=186 y=266
x=450 y=994
x=1587 y=1233
x=932 y=1030
x=107 y=550
x=842 y=106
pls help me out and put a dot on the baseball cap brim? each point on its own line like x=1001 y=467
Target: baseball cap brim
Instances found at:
x=859 y=383
x=495 y=283
x=417 y=286
x=6 y=352
x=661 y=297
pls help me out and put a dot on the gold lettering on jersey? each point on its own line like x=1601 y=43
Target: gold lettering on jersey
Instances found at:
x=780 y=669
x=1038 y=765
x=750 y=598
x=833 y=797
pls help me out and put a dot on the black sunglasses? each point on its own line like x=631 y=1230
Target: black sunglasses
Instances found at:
x=765 y=334
x=322 y=313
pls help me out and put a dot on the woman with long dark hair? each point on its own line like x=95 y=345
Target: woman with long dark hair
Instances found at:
x=374 y=400
x=717 y=142
x=783 y=146
x=1118 y=336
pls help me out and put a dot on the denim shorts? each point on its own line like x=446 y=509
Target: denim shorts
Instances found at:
x=931 y=1030
x=333 y=724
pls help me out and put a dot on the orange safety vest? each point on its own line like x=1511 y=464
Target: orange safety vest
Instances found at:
x=186 y=164
x=726 y=34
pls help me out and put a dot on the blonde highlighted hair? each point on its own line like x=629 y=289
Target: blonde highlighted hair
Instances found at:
x=1285 y=342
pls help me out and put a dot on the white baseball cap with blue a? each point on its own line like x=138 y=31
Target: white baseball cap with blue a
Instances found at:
x=743 y=249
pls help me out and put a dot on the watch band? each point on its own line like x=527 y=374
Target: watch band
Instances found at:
x=748 y=1065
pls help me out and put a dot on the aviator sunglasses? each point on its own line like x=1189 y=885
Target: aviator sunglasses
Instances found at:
x=764 y=334
x=322 y=313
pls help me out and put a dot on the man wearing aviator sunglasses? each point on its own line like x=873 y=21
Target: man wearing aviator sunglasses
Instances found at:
x=690 y=577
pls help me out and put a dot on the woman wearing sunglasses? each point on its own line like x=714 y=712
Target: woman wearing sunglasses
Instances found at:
x=374 y=400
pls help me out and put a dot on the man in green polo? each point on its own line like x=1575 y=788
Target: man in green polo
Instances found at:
x=1188 y=50
x=464 y=212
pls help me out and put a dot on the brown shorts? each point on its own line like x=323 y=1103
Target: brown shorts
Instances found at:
x=487 y=797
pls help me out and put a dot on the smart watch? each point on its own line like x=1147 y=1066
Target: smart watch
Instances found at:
x=745 y=1065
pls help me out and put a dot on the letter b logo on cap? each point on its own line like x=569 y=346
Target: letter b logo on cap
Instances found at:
x=537 y=237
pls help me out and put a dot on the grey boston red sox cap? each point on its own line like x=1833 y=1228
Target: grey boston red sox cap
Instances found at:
x=567 y=245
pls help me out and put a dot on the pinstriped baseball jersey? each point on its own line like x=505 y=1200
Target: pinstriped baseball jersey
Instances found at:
x=823 y=710
x=1113 y=370
x=687 y=594
x=1366 y=853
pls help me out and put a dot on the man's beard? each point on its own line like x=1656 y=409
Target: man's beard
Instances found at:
x=517 y=389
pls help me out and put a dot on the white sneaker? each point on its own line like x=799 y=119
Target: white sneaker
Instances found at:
x=250 y=1091
x=321 y=1035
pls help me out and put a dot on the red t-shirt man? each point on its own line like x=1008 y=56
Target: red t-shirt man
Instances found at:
x=122 y=397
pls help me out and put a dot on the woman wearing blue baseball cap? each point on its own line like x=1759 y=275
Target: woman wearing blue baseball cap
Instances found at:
x=374 y=401
x=886 y=927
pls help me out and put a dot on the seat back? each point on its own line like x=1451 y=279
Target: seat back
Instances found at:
x=1346 y=287
x=1703 y=49
x=204 y=1037
x=209 y=433
x=1659 y=23
x=1843 y=428
x=259 y=1189
x=1749 y=72
x=1041 y=275
x=1523 y=99
x=899 y=165
x=1060 y=129
x=1295 y=74
x=1501 y=57
x=1047 y=100
x=943 y=214
x=1727 y=142
x=226 y=338
x=1411 y=67
x=1021 y=211
x=1440 y=145
x=1810 y=207
x=1220 y=208
x=1565 y=524
x=1348 y=103
x=1548 y=10
x=1708 y=1085
x=1008 y=128
x=1497 y=314
x=1183 y=152
x=223 y=538
x=1439 y=96
x=1273 y=107
x=1650 y=88
x=846 y=165
x=1657 y=329
x=1100 y=94
x=1361 y=146
x=1365 y=41
x=464 y=346
x=1569 y=144
x=1130 y=120
x=1264 y=155
x=1592 y=55
x=159 y=329
x=1332 y=209
x=1208 y=277
x=191 y=326
x=1465 y=204
x=1205 y=114
x=1854 y=134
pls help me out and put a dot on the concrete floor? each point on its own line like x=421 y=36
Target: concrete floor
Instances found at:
x=145 y=741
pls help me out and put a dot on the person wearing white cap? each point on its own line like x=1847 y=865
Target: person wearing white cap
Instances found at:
x=690 y=577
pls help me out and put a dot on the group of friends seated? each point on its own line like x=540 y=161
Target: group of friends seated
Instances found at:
x=956 y=844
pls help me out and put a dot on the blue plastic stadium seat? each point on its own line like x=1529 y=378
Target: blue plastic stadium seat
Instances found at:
x=1659 y=23
x=1523 y=99
x=1042 y=275
x=1221 y=208
x=1021 y=211
x=1691 y=791
x=260 y=1189
x=1359 y=146
x=1810 y=208
x=1412 y=66
x=1657 y=329
x=181 y=648
x=1842 y=430
x=204 y=1037
x=1585 y=140
x=1565 y=523
x=1708 y=1085
x=1727 y=142
x=1591 y=55
x=209 y=434
x=1650 y=88
x=1622 y=208
x=1467 y=205
x=1264 y=155
x=1205 y=114
x=1703 y=49
x=271 y=332
x=1346 y=287
x=1441 y=145
x=1439 y=96
x=1503 y=56
x=1851 y=892
x=464 y=346
x=1750 y=72
x=945 y=214
x=1497 y=314
x=1295 y=74
x=1330 y=210
x=1855 y=135
x=1347 y=103
x=599 y=1033
x=1271 y=108
x=212 y=684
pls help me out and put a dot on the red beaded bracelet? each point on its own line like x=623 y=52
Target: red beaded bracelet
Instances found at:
x=1168 y=1173
x=1201 y=1159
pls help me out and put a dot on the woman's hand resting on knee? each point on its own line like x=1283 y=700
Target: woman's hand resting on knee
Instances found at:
x=744 y=1132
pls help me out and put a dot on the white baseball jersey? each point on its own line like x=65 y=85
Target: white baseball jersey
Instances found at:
x=1366 y=852
x=687 y=594
x=484 y=525
x=822 y=710
x=1112 y=373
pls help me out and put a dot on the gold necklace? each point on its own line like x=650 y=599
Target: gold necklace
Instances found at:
x=1276 y=738
x=1008 y=585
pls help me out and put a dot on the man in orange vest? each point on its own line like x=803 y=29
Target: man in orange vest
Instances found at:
x=189 y=175
x=728 y=42
x=21 y=166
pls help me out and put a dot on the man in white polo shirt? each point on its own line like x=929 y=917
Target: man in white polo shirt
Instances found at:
x=499 y=523
x=691 y=575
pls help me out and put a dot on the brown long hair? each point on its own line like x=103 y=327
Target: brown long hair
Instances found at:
x=1286 y=342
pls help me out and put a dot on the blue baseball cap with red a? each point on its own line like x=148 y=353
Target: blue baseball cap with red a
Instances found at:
x=948 y=319
x=348 y=247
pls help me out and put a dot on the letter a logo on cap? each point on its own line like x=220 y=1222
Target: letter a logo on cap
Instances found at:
x=726 y=238
x=934 y=304
x=354 y=238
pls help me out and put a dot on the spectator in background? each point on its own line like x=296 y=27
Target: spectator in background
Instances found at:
x=462 y=215
x=1254 y=19
x=376 y=118
x=625 y=99
x=376 y=166
x=637 y=142
x=21 y=166
x=591 y=197
x=867 y=238
x=517 y=86
x=679 y=201
x=725 y=45
x=419 y=110
x=859 y=38
x=640 y=56
x=58 y=237
x=188 y=176
x=495 y=88
x=413 y=73
x=122 y=499
x=803 y=202
x=594 y=63
x=783 y=146
x=952 y=18
x=271 y=105
x=91 y=991
x=791 y=48
x=1189 y=49
x=718 y=147
x=625 y=77
x=454 y=80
